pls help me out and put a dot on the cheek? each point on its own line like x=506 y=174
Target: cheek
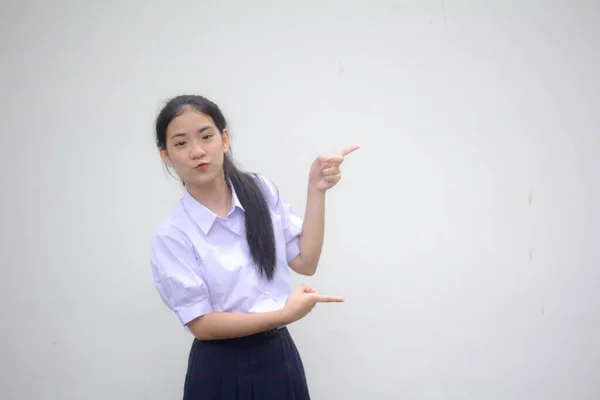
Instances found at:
x=176 y=158
x=217 y=151
x=218 y=158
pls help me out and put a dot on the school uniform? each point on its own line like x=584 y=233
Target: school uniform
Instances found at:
x=201 y=263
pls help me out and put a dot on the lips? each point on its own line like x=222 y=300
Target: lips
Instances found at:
x=201 y=166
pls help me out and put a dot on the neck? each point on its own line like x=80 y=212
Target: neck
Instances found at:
x=216 y=196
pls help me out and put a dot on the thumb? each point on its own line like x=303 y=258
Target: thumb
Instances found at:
x=308 y=289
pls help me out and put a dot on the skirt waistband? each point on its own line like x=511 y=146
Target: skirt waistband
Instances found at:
x=268 y=334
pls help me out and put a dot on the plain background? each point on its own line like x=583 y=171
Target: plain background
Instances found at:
x=464 y=234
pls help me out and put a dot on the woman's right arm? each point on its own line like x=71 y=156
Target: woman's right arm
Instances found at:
x=213 y=326
x=222 y=325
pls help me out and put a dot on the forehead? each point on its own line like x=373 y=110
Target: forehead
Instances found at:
x=189 y=121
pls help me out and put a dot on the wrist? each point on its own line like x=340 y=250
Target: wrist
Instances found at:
x=284 y=316
x=314 y=191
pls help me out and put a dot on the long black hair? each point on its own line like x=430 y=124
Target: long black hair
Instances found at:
x=259 y=226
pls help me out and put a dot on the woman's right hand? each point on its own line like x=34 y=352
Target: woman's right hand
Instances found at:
x=302 y=300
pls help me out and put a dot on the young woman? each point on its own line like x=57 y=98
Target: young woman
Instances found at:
x=221 y=260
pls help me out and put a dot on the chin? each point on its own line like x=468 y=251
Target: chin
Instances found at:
x=202 y=180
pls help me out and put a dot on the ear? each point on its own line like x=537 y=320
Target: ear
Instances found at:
x=226 y=140
x=165 y=157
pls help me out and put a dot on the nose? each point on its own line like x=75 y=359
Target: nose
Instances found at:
x=197 y=150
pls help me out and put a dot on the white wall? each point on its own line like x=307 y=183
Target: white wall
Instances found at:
x=464 y=235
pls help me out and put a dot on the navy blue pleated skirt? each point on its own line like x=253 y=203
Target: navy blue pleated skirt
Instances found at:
x=265 y=366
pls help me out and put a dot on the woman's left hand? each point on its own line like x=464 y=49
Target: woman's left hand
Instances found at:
x=325 y=171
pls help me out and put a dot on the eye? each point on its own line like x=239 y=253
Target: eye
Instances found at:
x=206 y=137
x=179 y=144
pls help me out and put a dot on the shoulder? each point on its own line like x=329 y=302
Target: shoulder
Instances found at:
x=171 y=227
x=171 y=250
x=269 y=189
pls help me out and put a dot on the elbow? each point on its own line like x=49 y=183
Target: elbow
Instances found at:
x=200 y=329
x=309 y=271
x=204 y=338
x=202 y=335
x=303 y=267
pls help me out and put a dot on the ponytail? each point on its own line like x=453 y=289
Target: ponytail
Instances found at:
x=259 y=225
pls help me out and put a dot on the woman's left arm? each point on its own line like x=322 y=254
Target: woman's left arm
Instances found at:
x=324 y=174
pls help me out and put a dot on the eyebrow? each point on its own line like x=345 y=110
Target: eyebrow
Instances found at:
x=182 y=134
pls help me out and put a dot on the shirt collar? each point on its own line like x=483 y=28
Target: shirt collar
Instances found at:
x=202 y=215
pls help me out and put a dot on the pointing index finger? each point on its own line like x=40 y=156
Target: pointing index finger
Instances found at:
x=348 y=150
x=328 y=299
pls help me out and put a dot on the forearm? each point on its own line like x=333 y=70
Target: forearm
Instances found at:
x=313 y=231
x=221 y=325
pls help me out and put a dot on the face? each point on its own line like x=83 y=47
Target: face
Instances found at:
x=195 y=148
